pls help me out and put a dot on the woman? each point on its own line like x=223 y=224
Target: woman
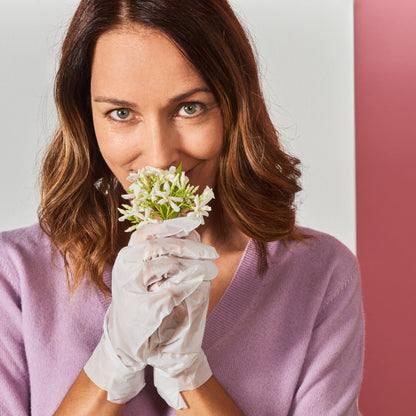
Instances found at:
x=163 y=82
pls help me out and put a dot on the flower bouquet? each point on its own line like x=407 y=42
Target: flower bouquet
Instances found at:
x=157 y=195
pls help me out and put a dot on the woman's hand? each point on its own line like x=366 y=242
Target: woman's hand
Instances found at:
x=162 y=266
x=176 y=355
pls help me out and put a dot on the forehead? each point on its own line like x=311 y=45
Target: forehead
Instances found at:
x=137 y=58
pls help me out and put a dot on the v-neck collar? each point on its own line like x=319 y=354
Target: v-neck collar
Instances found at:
x=235 y=300
x=107 y=278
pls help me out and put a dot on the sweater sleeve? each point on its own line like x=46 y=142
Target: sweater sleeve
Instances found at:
x=331 y=376
x=14 y=378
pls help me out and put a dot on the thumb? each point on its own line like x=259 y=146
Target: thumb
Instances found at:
x=178 y=227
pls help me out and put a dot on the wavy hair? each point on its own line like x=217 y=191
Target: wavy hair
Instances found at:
x=257 y=180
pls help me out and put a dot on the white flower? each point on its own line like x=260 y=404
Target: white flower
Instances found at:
x=171 y=174
x=207 y=195
x=156 y=195
x=128 y=196
x=201 y=209
x=146 y=218
x=137 y=205
x=124 y=217
x=133 y=177
x=150 y=170
x=155 y=192
x=184 y=180
x=136 y=188
x=166 y=197
x=174 y=180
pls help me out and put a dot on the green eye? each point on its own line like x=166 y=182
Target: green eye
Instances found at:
x=190 y=108
x=123 y=113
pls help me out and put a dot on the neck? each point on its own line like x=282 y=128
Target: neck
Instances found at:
x=220 y=232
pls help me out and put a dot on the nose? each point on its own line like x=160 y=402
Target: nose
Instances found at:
x=161 y=144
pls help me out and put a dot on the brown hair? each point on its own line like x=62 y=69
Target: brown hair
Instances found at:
x=257 y=180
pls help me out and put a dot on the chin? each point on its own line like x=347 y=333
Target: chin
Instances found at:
x=198 y=179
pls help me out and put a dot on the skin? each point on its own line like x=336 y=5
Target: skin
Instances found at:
x=143 y=68
x=146 y=111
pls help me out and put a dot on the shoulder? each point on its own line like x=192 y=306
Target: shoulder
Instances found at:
x=23 y=250
x=320 y=250
x=23 y=237
x=316 y=270
x=29 y=240
x=325 y=248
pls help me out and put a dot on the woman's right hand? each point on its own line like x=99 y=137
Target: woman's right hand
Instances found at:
x=163 y=264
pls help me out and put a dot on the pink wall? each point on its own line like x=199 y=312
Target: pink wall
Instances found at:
x=385 y=42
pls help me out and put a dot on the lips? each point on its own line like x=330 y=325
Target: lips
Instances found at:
x=188 y=172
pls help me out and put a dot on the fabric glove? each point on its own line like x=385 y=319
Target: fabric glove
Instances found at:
x=167 y=256
x=177 y=357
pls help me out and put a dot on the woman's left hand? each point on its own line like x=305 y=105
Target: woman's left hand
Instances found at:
x=176 y=354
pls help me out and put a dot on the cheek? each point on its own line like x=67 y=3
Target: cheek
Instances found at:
x=114 y=147
x=117 y=157
x=206 y=142
x=214 y=145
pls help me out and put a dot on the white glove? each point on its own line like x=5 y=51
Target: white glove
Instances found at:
x=158 y=257
x=177 y=357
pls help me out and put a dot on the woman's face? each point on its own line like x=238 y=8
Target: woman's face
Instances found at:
x=150 y=107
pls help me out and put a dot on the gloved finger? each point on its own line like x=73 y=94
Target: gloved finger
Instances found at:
x=131 y=260
x=179 y=227
x=177 y=342
x=159 y=302
x=185 y=320
x=178 y=271
x=137 y=238
x=138 y=317
x=175 y=247
x=170 y=271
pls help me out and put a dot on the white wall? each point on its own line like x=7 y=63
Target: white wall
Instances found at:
x=30 y=34
x=305 y=50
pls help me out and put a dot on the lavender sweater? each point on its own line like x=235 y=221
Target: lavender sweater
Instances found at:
x=287 y=343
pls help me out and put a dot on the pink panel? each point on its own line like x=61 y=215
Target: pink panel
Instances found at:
x=385 y=42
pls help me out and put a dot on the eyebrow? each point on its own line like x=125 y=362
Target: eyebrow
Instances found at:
x=124 y=103
x=185 y=95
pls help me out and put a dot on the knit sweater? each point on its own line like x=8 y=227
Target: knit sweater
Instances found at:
x=288 y=342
